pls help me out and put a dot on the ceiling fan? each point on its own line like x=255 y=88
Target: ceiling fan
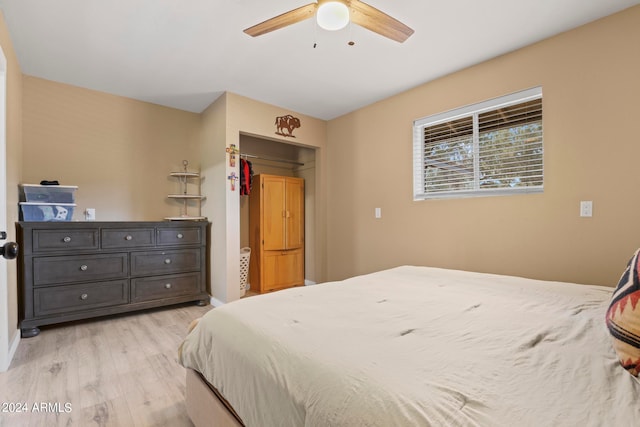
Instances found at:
x=336 y=14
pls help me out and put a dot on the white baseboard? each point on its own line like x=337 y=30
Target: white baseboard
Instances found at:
x=14 y=345
x=216 y=302
x=309 y=282
x=12 y=351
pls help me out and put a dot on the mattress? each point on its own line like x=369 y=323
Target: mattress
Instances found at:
x=418 y=346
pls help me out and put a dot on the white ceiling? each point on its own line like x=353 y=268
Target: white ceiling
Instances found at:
x=185 y=53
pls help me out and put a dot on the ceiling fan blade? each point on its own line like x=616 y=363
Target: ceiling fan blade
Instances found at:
x=379 y=22
x=280 y=21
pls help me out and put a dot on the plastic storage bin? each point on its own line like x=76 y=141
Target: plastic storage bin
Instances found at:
x=48 y=193
x=32 y=211
x=245 y=255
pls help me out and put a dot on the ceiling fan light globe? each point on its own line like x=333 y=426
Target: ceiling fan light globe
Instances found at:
x=332 y=15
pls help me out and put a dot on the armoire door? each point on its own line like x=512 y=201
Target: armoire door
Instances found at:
x=294 y=213
x=273 y=220
x=282 y=269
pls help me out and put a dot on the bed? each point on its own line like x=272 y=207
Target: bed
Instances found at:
x=411 y=346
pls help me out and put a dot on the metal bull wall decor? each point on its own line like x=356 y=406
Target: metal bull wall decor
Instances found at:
x=288 y=123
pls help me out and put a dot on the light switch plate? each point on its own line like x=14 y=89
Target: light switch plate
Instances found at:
x=90 y=214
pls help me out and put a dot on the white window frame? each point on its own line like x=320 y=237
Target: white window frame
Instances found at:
x=472 y=110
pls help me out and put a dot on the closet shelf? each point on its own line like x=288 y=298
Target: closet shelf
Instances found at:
x=270 y=159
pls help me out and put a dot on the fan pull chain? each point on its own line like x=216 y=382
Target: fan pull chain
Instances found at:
x=315 y=34
x=351 y=42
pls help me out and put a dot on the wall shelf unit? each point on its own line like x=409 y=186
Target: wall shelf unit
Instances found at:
x=184 y=177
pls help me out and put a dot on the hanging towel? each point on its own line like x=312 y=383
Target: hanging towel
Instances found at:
x=246 y=177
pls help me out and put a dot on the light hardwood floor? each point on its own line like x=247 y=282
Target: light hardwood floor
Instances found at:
x=115 y=371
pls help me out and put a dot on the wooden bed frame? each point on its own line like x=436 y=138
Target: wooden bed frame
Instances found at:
x=205 y=406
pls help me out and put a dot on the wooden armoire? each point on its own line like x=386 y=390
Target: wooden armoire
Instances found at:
x=276 y=232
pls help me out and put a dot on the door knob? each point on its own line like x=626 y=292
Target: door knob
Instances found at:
x=9 y=250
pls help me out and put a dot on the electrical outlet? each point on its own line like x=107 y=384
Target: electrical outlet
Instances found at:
x=378 y=213
x=90 y=214
x=586 y=208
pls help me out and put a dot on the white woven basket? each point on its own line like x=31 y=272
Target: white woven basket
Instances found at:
x=245 y=255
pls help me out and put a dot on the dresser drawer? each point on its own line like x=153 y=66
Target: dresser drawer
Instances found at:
x=57 y=240
x=153 y=288
x=79 y=268
x=165 y=262
x=180 y=236
x=127 y=237
x=73 y=298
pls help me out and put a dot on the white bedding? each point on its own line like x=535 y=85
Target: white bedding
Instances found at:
x=418 y=346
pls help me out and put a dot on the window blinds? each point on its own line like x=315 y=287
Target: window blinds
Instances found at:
x=494 y=147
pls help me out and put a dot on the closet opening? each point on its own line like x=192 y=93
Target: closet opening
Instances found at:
x=280 y=159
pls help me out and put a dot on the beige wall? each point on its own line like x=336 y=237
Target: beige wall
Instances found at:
x=119 y=151
x=212 y=155
x=222 y=125
x=14 y=171
x=591 y=86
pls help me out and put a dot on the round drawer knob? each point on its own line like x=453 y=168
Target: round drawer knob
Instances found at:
x=66 y=239
x=180 y=236
x=84 y=267
x=167 y=261
x=84 y=297
x=167 y=286
x=128 y=237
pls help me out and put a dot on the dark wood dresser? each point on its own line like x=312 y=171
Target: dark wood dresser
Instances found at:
x=78 y=270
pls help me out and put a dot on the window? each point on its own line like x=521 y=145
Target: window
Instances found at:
x=493 y=147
